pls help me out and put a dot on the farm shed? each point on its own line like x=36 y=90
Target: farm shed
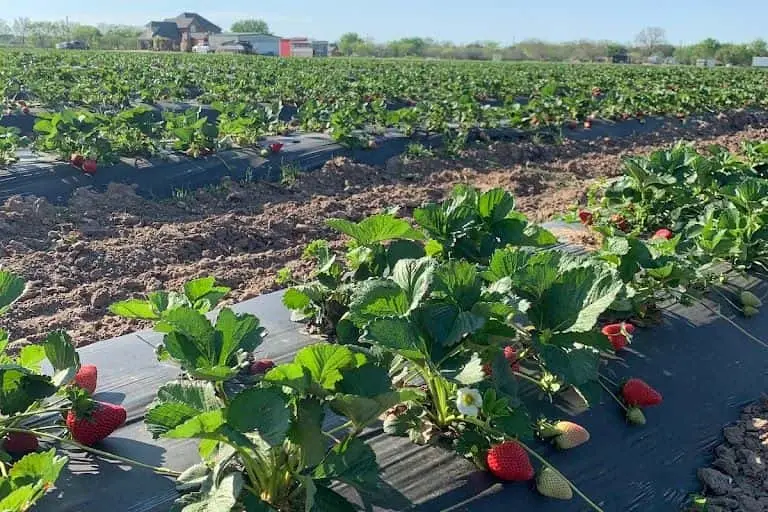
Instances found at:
x=296 y=47
x=320 y=48
x=262 y=44
x=760 y=62
x=706 y=63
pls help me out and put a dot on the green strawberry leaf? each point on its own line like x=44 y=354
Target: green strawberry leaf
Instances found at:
x=325 y=362
x=11 y=289
x=352 y=462
x=273 y=418
x=177 y=402
x=306 y=431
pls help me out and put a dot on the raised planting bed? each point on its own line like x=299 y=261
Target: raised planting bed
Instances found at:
x=44 y=176
x=706 y=370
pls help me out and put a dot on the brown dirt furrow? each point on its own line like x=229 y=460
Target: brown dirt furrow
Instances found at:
x=108 y=246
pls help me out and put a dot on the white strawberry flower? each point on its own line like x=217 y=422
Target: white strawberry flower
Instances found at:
x=469 y=401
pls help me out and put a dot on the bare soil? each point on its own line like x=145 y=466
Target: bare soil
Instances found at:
x=105 y=247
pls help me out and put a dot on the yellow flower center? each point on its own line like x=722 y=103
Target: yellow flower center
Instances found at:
x=468 y=399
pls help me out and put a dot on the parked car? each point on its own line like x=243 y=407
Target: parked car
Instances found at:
x=202 y=48
x=71 y=45
x=235 y=47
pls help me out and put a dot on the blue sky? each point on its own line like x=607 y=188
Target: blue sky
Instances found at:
x=462 y=21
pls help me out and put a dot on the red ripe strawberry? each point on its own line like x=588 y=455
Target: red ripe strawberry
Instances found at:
x=261 y=366
x=96 y=423
x=18 y=443
x=90 y=166
x=510 y=354
x=488 y=370
x=509 y=461
x=586 y=217
x=86 y=378
x=77 y=160
x=276 y=147
x=663 y=233
x=571 y=435
x=617 y=334
x=25 y=110
x=638 y=393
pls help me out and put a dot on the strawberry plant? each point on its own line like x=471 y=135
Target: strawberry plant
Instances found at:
x=10 y=141
x=472 y=225
x=281 y=459
x=376 y=244
x=31 y=405
x=70 y=131
x=191 y=133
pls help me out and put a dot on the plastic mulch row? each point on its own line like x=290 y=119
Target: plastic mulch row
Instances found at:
x=706 y=369
x=159 y=178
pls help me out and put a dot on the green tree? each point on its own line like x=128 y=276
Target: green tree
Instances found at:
x=349 y=43
x=88 y=34
x=735 y=54
x=709 y=48
x=759 y=48
x=118 y=37
x=252 y=26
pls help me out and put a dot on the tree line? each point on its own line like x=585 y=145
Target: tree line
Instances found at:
x=45 y=34
x=650 y=42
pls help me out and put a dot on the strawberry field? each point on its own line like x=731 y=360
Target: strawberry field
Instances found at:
x=433 y=346
x=463 y=329
x=100 y=107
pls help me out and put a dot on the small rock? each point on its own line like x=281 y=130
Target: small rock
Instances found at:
x=301 y=228
x=131 y=220
x=734 y=435
x=717 y=482
x=722 y=501
x=749 y=504
x=100 y=299
x=725 y=452
x=754 y=465
x=236 y=196
x=757 y=424
x=728 y=466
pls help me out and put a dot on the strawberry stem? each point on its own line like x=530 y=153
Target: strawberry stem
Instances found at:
x=726 y=299
x=526 y=377
x=162 y=471
x=607 y=390
x=553 y=468
x=733 y=324
x=484 y=425
x=339 y=428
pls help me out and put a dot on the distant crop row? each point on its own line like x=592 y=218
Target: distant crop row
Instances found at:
x=351 y=99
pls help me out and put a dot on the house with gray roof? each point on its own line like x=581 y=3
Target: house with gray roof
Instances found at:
x=179 y=33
